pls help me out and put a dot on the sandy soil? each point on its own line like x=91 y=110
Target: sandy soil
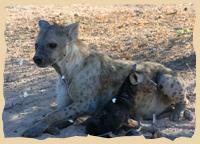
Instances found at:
x=143 y=32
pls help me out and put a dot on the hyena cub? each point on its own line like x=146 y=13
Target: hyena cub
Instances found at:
x=149 y=89
x=87 y=79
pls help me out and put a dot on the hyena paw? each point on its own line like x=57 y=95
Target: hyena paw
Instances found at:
x=52 y=130
x=36 y=130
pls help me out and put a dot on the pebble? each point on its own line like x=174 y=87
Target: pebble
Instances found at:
x=63 y=77
x=25 y=94
x=21 y=62
x=114 y=100
x=71 y=121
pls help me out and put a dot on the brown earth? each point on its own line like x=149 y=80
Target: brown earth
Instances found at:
x=141 y=32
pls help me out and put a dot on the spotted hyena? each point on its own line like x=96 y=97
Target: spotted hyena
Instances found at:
x=87 y=79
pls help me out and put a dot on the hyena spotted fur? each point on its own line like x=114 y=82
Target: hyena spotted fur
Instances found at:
x=87 y=79
x=149 y=89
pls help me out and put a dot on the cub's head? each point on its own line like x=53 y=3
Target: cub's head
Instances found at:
x=52 y=41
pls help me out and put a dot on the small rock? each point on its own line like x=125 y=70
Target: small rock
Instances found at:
x=114 y=100
x=63 y=77
x=21 y=62
x=185 y=9
x=71 y=121
x=25 y=94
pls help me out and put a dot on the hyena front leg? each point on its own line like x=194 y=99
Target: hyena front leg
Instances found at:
x=62 y=94
x=173 y=88
x=70 y=112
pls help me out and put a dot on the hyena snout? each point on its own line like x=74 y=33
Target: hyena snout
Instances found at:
x=39 y=60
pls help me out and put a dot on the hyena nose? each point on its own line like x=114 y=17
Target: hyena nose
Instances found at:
x=37 y=59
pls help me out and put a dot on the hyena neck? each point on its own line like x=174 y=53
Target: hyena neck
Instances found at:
x=76 y=53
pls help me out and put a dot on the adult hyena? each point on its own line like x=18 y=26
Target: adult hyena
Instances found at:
x=87 y=79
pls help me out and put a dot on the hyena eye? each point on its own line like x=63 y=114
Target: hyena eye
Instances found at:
x=52 y=45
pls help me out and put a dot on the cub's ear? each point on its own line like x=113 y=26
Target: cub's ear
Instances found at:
x=134 y=68
x=136 y=78
x=43 y=24
x=72 y=31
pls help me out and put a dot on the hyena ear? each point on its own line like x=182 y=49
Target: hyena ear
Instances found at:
x=136 y=78
x=72 y=31
x=134 y=68
x=43 y=24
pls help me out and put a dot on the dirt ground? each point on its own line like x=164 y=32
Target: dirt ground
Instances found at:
x=141 y=32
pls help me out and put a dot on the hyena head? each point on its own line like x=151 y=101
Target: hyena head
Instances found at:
x=52 y=42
